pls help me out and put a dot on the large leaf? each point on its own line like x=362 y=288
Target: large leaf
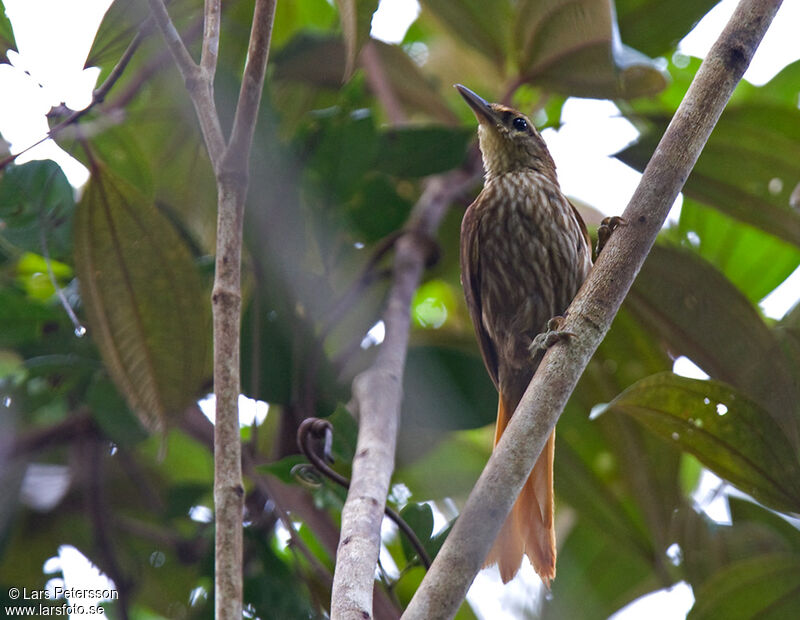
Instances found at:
x=656 y=26
x=727 y=432
x=751 y=259
x=597 y=503
x=36 y=205
x=292 y=17
x=700 y=314
x=422 y=151
x=705 y=546
x=483 y=26
x=6 y=35
x=144 y=299
x=414 y=89
x=356 y=19
x=765 y=586
x=319 y=61
x=573 y=46
x=419 y=518
x=747 y=170
x=596 y=576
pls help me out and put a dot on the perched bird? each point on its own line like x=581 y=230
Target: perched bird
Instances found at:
x=524 y=254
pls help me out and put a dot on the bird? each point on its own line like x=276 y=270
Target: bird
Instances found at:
x=525 y=252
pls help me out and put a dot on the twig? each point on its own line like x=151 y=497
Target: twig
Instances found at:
x=244 y=121
x=210 y=51
x=323 y=429
x=44 y=229
x=376 y=395
x=199 y=82
x=98 y=96
x=590 y=315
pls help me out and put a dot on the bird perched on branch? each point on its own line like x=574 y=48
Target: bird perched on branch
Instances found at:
x=524 y=254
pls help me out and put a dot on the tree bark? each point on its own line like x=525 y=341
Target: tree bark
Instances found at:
x=377 y=395
x=230 y=162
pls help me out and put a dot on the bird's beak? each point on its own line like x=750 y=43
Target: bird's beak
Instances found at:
x=479 y=105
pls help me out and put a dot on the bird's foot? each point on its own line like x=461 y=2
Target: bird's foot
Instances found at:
x=607 y=226
x=548 y=338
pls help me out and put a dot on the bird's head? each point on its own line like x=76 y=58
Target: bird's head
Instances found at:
x=508 y=139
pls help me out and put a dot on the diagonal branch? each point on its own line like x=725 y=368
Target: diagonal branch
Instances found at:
x=590 y=315
x=244 y=121
x=377 y=394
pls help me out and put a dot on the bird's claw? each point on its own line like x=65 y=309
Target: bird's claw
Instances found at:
x=607 y=226
x=548 y=338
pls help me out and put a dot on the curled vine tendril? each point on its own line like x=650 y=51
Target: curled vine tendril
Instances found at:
x=315 y=433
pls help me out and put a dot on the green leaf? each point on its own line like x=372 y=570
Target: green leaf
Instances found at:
x=376 y=210
x=656 y=26
x=782 y=88
x=700 y=314
x=24 y=320
x=765 y=586
x=748 y=168
x=436 y=542
x=726 y=431
x=596 y=576
x=345 y=434
x=356 y=19
x=422 y=151
x=6 y=35
x=116 y=31
x=413 y=88
x=312 y=58
x=596 y=502
x=185 y=460
x=573 y=46
x=743 y=511
x=483 y=26
x=751 y=259
x=419 y=518
x=144 y=299
x=336 y=133
x=293 y=17
x=36 y=206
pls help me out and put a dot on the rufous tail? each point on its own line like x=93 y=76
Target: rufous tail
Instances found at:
x=529 y=527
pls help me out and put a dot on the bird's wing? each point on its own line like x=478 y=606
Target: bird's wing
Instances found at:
x=471 y=282
x=581 y=224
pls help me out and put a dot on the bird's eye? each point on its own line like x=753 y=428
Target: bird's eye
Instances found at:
x=520 y=124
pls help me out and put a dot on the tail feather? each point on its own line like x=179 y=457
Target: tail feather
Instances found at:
x=529 y=528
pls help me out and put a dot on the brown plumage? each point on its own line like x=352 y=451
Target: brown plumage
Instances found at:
x=524 y=254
